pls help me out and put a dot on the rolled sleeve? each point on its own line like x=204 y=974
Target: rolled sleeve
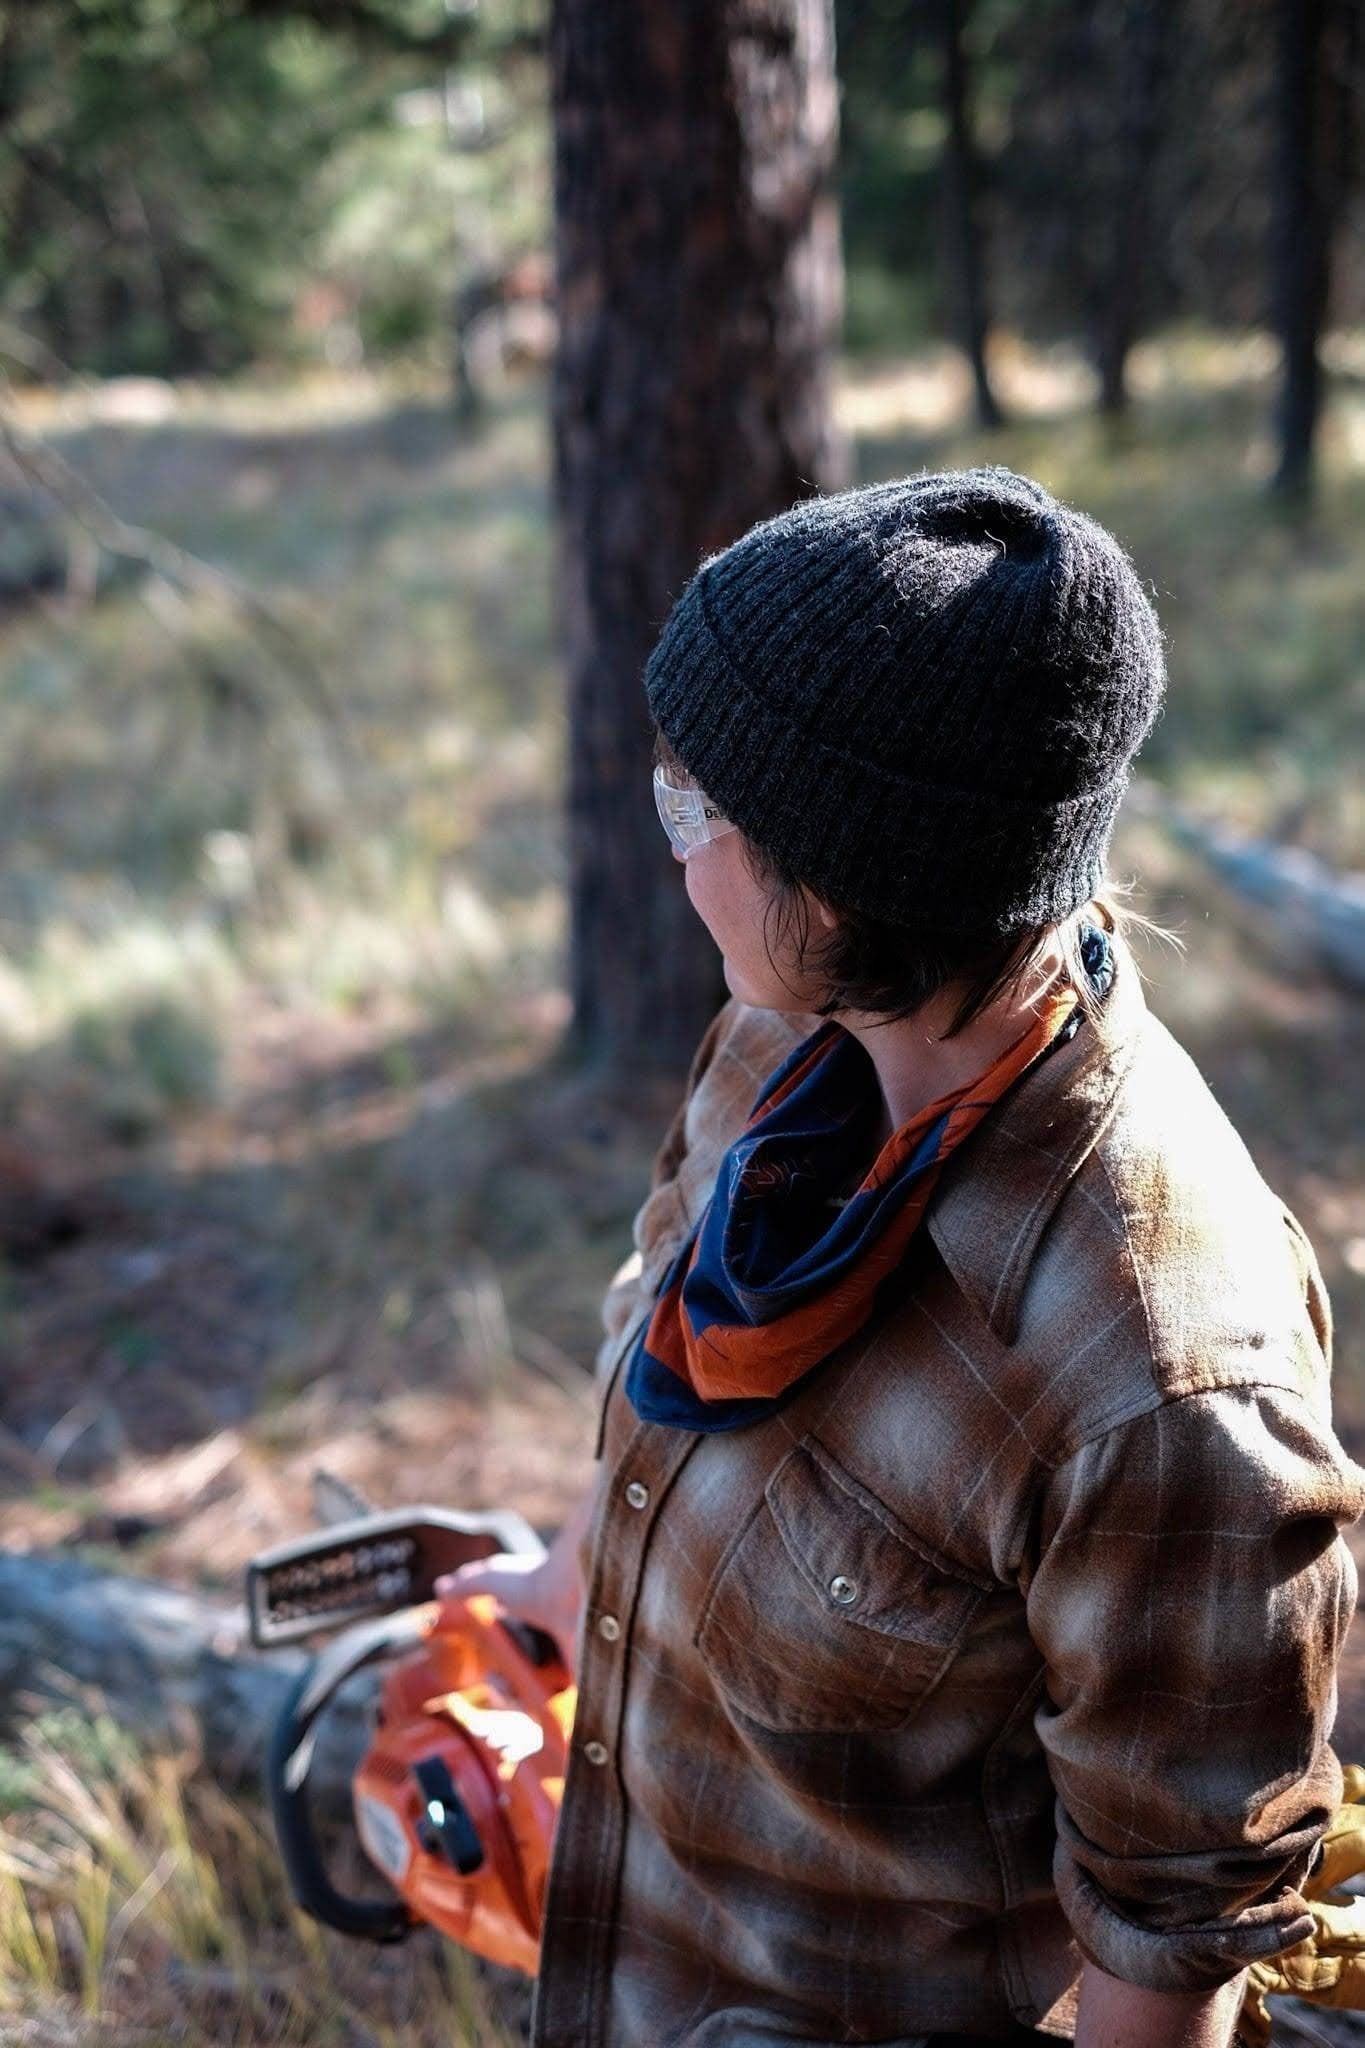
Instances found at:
x=1190 y=1597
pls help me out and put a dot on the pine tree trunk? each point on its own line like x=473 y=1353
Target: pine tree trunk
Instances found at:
x=1142 y=74
x=700 y=296
x=1318 y=48
x=962 y=208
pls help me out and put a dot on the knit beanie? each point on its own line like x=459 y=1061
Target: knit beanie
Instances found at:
x=923 y=695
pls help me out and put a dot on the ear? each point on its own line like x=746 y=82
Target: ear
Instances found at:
x=825 y=914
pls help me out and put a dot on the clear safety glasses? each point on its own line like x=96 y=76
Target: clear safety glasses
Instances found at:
x=688 y=816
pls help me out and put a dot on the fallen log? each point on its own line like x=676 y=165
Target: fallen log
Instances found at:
x=1311 y=906
x=166 y=1665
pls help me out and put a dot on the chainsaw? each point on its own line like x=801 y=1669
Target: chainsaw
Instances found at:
x=458 y=1792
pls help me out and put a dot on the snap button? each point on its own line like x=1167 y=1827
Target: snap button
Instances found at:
x=595 y=1752
x=609 y=1627
x=637 y=1494
x=843 y=1590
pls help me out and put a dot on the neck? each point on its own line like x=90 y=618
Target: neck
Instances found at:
x=915 y=1065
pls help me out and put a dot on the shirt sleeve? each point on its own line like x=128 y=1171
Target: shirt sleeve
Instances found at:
x=1191 y=1597
x=623 y=1295
x=673 y=1145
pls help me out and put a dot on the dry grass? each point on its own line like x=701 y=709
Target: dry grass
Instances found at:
x=140 y=1905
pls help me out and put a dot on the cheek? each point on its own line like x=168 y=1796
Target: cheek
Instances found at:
x=723 y=897
x=698 y=878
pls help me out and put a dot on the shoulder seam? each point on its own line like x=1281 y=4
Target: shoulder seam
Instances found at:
x=1219 y=1386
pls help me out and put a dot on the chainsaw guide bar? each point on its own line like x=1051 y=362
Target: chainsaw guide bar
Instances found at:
x=373 y=1565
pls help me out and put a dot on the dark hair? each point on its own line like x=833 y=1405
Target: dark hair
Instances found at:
x=872 y=965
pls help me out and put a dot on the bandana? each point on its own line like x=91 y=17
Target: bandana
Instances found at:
x=776 y=1274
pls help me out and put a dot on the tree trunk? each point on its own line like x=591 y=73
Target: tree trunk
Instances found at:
x=1141 y=77
x=699 y=296
x=962 y=208
x=1318 y=41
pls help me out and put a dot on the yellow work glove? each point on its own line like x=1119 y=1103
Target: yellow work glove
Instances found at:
x=1328 y=1965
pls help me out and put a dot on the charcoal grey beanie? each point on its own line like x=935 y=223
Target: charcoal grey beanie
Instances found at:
x=924 y=696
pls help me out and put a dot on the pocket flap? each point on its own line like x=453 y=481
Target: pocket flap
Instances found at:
x=864 y=1564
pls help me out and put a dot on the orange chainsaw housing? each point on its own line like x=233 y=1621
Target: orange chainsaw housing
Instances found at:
x=470 y=1698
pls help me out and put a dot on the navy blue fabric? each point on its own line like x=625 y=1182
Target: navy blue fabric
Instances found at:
x=767 y=1242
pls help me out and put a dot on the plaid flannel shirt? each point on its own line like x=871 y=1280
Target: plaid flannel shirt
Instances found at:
x=1010 y=1640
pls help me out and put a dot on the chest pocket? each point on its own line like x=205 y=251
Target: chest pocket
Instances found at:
x=825 y=1612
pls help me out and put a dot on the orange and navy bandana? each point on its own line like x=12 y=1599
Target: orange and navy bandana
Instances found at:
x=767 y=1286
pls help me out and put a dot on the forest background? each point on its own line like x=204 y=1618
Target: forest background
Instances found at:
x=323 y=1125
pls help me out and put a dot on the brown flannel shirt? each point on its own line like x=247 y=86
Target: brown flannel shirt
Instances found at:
x=1083 y=1483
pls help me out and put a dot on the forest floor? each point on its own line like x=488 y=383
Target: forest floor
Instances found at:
x=282 y=981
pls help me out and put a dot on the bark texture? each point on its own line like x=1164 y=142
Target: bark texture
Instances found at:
x=699 y=287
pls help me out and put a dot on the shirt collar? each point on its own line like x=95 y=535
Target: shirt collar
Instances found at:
x=998 y=1190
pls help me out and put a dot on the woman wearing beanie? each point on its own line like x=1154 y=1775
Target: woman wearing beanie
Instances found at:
x=957 y=1610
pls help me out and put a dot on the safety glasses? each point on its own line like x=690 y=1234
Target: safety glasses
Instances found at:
x=688 y=817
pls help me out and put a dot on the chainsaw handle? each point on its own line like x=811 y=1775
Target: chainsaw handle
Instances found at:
x=286 y=1778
